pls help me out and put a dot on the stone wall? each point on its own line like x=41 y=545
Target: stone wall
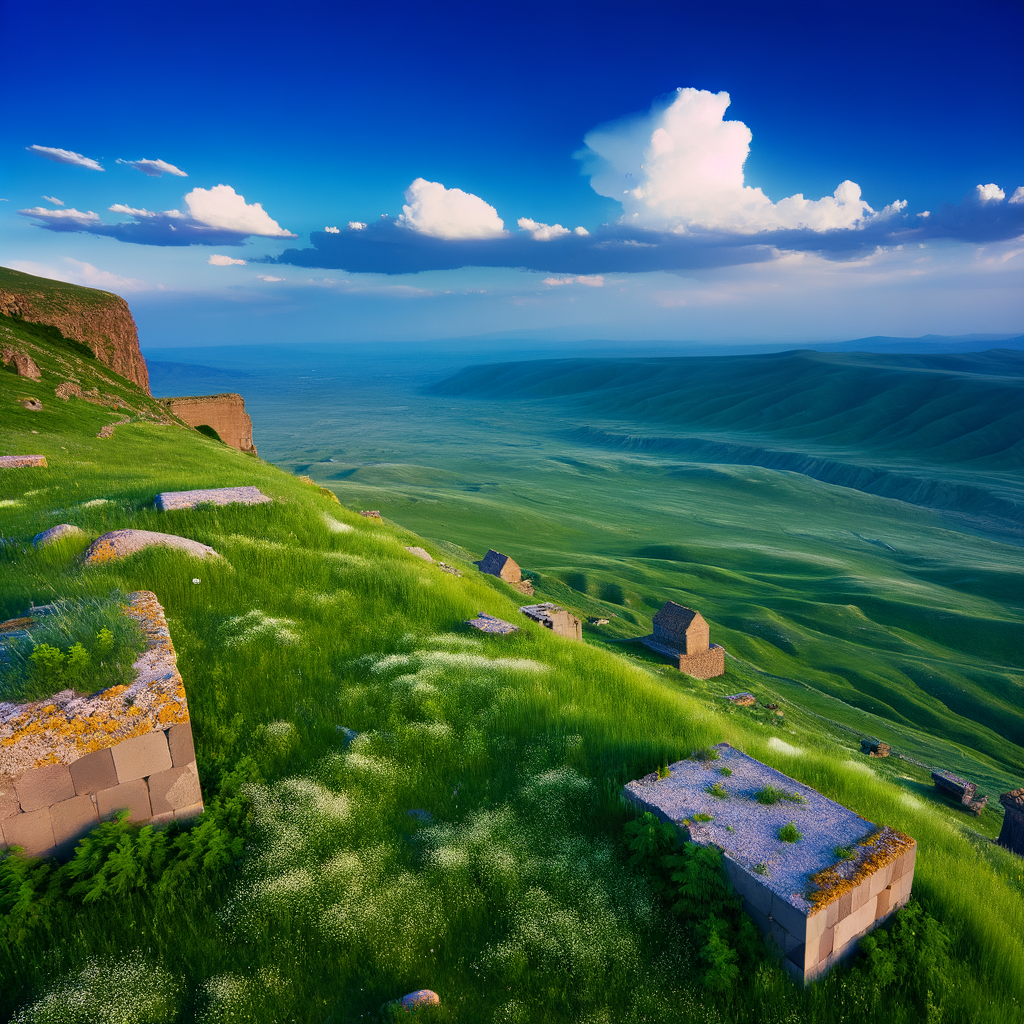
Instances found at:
x=225 y=413
x=1011 y=835
x=70 y=761
x=704 y=664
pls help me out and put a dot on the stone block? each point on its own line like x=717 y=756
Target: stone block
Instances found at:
x=9 y=803
x=816 y=924
x=879 y=881
x=845 y=906
x=747 y=886
x=832 y=912
x=798 y=955
x=141 y=756
x=761 y=920
x=41 y=787
x=31 y=830
x=825 y=944
x=179 y=740
x=174 y=788
x=131 y=796
x=860 y=895
x=882 y=904
x=72 y=818
x=793 y=920
x=94 y=772
x=854 y=926
x=900 y=890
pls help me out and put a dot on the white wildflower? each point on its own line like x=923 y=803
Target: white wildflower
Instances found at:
x=782 y=747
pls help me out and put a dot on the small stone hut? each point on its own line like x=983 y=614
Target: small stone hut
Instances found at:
x=494 y=563
x=558 y=620
x=682 y=634
x=1012 y=834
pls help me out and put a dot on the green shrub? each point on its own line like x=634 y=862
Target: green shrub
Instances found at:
x=719 y=790
x=771 y=795
x=703 y=817
x=789 y=834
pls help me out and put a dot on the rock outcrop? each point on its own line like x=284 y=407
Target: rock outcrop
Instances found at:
x=224 y=413
x=101 y=321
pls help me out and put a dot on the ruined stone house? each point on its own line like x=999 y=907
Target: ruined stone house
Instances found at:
x=494 y=563
x=1012 y=834
x=558 y=620
x=683 y=634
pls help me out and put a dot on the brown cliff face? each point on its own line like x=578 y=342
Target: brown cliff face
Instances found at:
x=225 y=413
x=100 y=320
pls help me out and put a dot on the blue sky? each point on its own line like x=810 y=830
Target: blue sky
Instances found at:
x=674 y=171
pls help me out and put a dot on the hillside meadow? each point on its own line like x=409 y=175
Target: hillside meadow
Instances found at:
x=334 y=689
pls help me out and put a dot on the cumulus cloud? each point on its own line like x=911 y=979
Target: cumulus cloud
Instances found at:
x=267 y=277
x=53 y=199
x=1018 y=195
x=225 y=261
x=333 y=231
x=680 y=167
x=989 y=193
x=431 y=209
x=154 y=168
x=355 y=225
x=65 y=156
x=541 y=232
x=581 y=231
x=591 y=280
x=215 y=216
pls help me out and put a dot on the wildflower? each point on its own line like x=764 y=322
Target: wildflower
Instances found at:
x=197 y=581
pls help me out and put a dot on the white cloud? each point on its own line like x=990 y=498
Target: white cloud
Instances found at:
x=76 y=272
x=681 y=166
x=267 y=277
x=225 y=261
x=590 y=280
x=76 y=216
x=222 y=207
x=53 y=199
x=580 y=231
x=65 y=156
x=142 y=214
x=356 y=225
x=1018 y=195
x=986 y=193
x=448 y=212
x=542 y=232
x=333 y=231
x=154 y=168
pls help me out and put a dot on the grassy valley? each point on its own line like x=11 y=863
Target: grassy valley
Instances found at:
x=334 y=689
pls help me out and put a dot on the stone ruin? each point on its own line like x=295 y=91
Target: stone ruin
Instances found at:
x=959 y=789
x=22 y=461
x=1012 y=833
x=558 y=620
x=875 y=748
x=494 y=563
x=682 y=634
x=173 y=501
x=224 y=413
x=815 y=897
x=71 y=761
x=491 y=624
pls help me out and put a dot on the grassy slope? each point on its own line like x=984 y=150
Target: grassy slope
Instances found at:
x=516 y=904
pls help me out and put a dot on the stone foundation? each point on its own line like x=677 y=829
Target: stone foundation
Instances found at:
x=70 y=762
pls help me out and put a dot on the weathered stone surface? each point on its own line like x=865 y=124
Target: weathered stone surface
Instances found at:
x=743 y=700
x=130 y=796
x=32 y=831
x=9 y=803
x=71 y=819
x=98 y=319
x=22 y=462
x=32 y=404
x=494 y=563
x=683 y=634
x=371 y=513
x=122 y=543
x=24 y=365
x=421 y=997
x=179 y=741
x=224 y=413
x=93 y=772
x=420 y=553
x=55 y=533
x=490 y=624
x=40 y=787
x=1012 y=833
x=874 y=748
x=144 y=755
x=170 y=501
x=174 y=788
x=558 y=620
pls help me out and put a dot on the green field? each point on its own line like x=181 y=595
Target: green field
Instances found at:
x=308 y=893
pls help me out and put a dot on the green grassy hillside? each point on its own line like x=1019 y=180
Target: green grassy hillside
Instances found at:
x=308 y=892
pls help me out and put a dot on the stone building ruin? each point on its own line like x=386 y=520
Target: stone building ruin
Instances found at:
x=682 y=634
x=1012 y=833
x=494 y=563
x=558 y=620
x=959 y=789
x=224 y=413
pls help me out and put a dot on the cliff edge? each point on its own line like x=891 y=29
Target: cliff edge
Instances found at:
x=97 y=319
x=225 y=414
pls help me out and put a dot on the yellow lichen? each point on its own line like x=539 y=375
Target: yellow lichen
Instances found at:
x=873 y=853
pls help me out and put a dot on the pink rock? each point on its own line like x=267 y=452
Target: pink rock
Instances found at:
x=421 y=997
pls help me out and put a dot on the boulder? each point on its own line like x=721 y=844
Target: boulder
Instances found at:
x=24 y=364
x=122 y=543
x=32 y=404
x=421 y=997
x=55 y=533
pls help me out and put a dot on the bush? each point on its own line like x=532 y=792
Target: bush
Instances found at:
x=789 y=833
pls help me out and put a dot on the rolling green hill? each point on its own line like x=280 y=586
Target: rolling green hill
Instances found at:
x=308 y=892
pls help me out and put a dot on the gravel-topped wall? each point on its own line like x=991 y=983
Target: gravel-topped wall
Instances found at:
x=814 y=895
x=71 y=761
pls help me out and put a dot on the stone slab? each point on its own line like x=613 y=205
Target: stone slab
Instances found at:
x=94 y=772
x=141 y=756
x=56 y=533
x=41 y=787
x=174 y=788
x=22 y=461
x=30 y=830
x=131 y=796
x=71 y=819
x=491 y=624
x=179 y=741
x=170 y=501
x=122 y=543
x=9 y=802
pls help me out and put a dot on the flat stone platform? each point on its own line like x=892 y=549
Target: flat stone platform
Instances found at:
x=170 y=501
x=815 y=897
